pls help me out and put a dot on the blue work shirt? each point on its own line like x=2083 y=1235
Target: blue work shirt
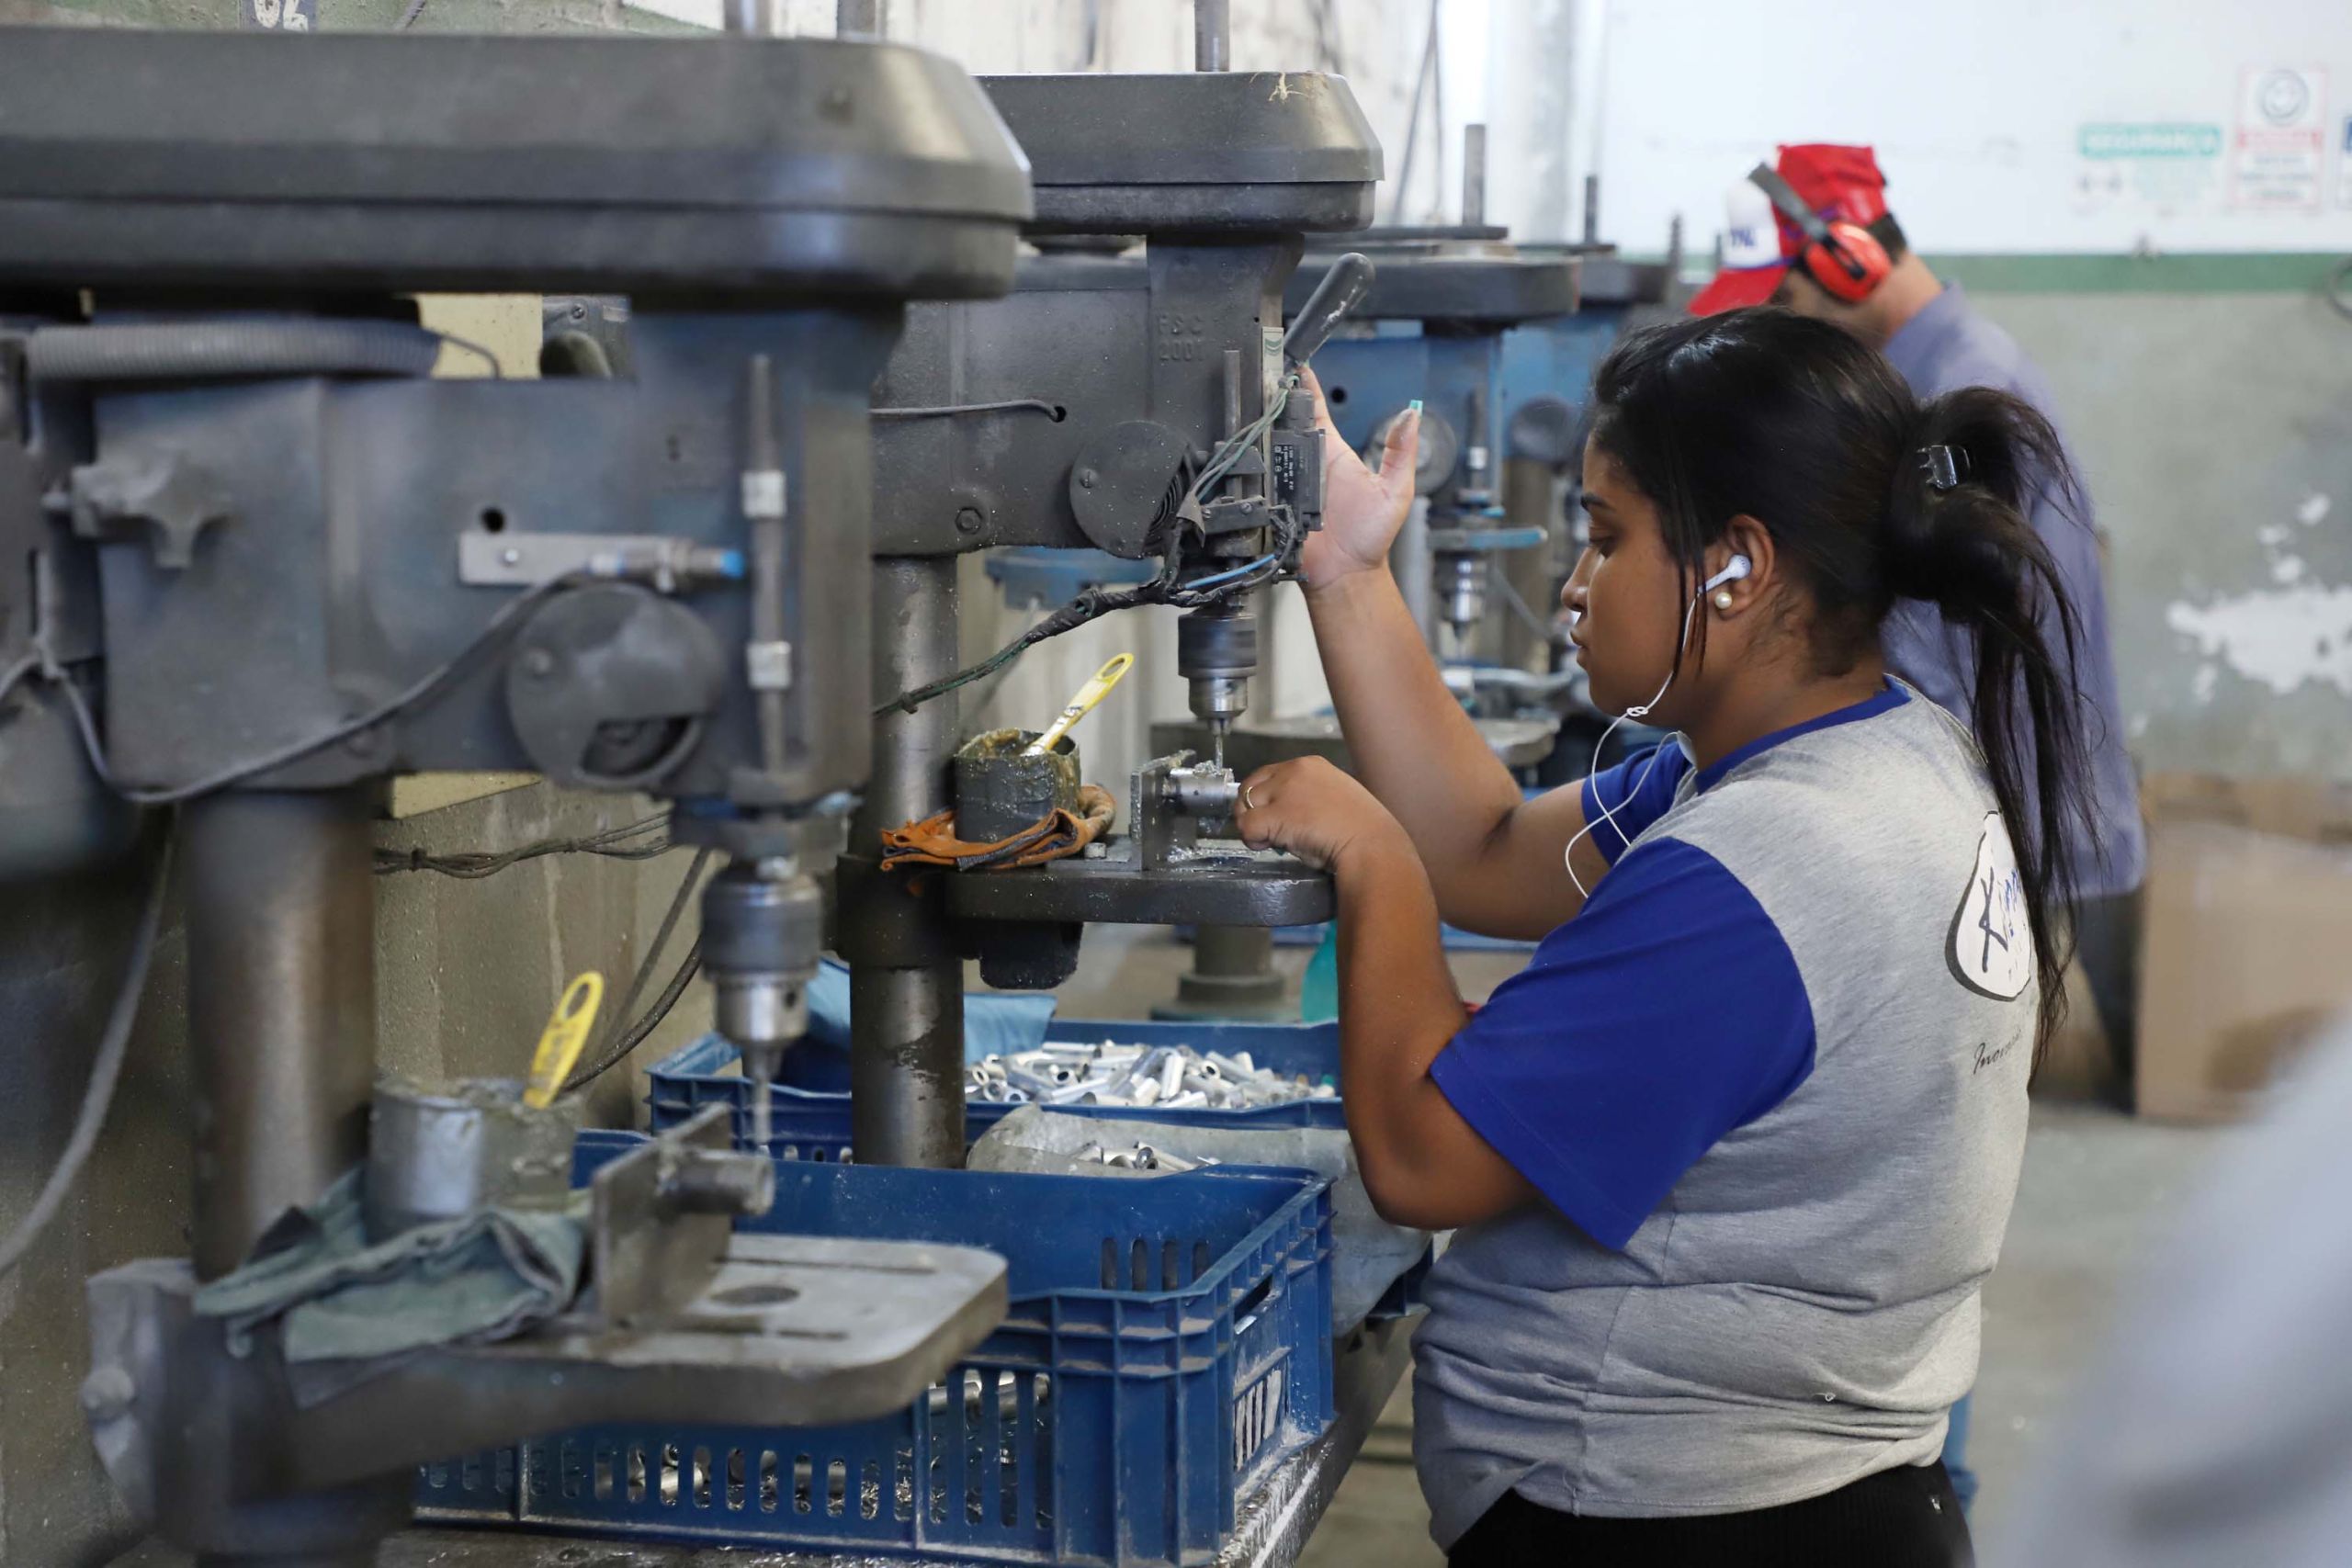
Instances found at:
x=1946 y=346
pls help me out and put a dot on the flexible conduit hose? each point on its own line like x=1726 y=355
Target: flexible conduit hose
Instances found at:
x=198 y=351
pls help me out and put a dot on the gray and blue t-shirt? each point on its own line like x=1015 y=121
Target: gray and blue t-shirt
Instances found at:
x=1772 y=1083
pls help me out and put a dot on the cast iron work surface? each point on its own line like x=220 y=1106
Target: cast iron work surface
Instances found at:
x=1273 y=1527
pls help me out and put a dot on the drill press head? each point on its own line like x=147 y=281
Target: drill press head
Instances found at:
x=1216 y=653
x=763 y=933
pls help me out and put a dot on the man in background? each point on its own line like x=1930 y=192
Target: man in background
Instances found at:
x=1812 y=232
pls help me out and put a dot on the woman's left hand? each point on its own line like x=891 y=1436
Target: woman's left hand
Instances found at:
x=1311 y=809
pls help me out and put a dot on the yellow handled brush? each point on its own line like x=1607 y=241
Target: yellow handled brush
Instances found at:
x=1093 y=692
x=565 y=1037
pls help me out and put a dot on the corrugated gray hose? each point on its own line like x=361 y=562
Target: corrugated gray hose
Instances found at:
x=204 y=351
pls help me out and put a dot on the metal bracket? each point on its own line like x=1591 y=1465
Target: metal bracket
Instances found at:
x=161 y=496
x=524 y=561
x=1172 y=797
x=662 y=1217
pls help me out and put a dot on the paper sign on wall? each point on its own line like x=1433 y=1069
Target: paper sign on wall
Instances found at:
x=2164 y=165
x=2278 y=154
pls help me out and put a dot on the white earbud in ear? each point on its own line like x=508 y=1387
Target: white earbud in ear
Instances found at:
x=1737 y=567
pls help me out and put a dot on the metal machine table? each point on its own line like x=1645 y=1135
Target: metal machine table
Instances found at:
x=1272 y=1531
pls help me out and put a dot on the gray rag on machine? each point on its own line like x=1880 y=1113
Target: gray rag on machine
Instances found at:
x=1368 y=1254
x=346 y=1306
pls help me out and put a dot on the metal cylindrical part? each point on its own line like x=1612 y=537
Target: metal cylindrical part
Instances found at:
x=707 y=1181
x=761 y=1013
x=1216 y=641
x=1219 y=699
x=1465 y=584
x=907 y=1023
x=854 y=18
x=765 y=505
x=281 y=970
x=440 y=1154
x=906 y=1067
x=1203 y=792
x=1531 y=496
x=751 y=19
x=1473 y=176
x=1216 y=653
x=1233 y=976
x=1212 y=35
x=1410 y=563
x=757 y=922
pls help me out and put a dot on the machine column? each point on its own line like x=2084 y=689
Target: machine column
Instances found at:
x=906 y=977
x=281 y=987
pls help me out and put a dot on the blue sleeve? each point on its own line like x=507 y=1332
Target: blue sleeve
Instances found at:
x=1635 y=793
x=1666 y=1013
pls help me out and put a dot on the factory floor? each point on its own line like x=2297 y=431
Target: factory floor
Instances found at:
x=2097 y=1187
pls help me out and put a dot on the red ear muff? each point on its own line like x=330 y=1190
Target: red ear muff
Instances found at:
x=1848 y=261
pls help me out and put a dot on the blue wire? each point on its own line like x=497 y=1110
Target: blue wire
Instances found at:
x=1201 y=583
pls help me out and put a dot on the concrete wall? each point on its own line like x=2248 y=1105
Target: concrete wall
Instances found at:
x=2216 y=431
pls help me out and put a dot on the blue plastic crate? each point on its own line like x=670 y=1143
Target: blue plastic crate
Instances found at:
x=809 y=1111
x=1169 y=1342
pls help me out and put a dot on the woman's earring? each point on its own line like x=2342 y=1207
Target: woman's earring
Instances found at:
x=1723 y=599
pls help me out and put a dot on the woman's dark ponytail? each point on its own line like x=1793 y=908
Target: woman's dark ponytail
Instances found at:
x=1960 y=536
x=1872 y=497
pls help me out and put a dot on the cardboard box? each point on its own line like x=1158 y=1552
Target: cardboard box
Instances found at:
x=2247 y=951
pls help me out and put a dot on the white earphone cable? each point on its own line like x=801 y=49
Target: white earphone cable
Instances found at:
x=1639 y=710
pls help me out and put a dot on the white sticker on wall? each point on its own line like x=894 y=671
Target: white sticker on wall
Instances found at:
x=1991 y=947
x=2279 y=151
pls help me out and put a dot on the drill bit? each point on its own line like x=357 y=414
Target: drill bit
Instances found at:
x=759 y=1120
x=1217 y=741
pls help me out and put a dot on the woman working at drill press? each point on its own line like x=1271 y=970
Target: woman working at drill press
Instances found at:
x=1730 y=1160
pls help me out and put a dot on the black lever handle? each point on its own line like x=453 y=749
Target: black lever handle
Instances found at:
x=1341 y=290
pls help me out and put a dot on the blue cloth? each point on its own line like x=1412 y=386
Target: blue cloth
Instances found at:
x=1946 y=346
x=1963 y=1480
x=996 y=1024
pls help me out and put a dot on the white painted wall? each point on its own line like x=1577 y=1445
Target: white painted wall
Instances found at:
x=1979 y=114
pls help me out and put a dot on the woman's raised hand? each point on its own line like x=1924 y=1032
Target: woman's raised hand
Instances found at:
x=1362 y=508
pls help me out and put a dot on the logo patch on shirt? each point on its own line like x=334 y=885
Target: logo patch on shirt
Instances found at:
x=1991 y=947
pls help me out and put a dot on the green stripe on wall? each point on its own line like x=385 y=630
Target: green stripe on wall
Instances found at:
x=2208 y=272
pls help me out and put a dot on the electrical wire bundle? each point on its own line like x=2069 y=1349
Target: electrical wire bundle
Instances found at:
x=645 y=839
x=1164 y=589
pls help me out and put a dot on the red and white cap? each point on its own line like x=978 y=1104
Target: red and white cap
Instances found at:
x=1841 y=184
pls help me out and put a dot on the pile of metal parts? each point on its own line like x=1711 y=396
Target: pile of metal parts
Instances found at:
x=1143 y=1156
x=1172 y=1077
